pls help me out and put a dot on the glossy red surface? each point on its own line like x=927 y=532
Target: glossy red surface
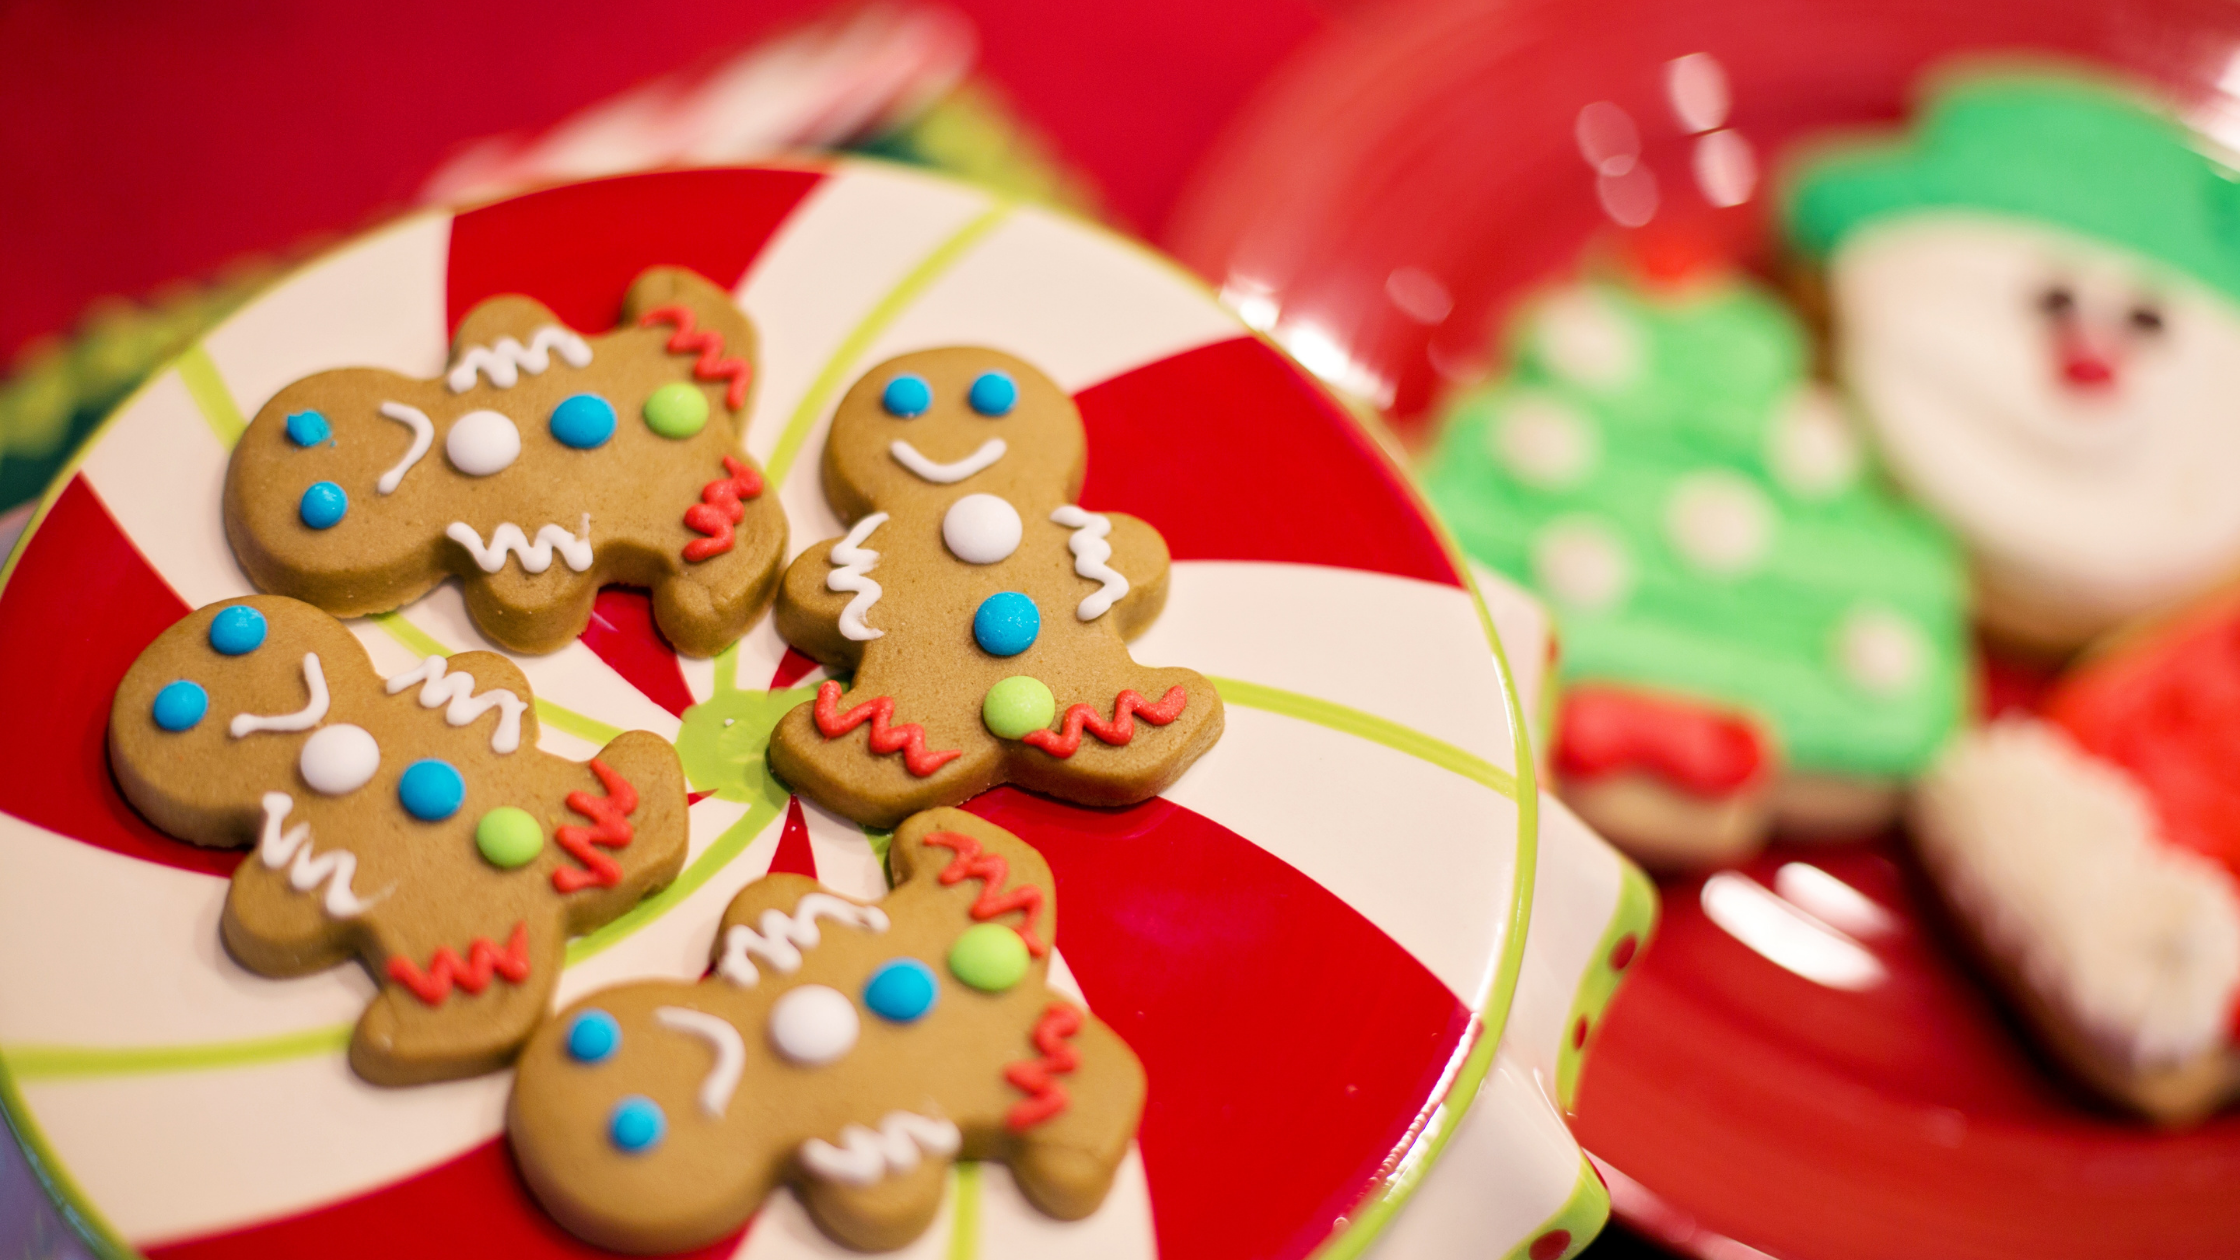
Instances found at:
x=1736 y=1104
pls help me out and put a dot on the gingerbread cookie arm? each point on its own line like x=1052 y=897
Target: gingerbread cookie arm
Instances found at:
x=812 y=610
x=1139 y=555
x=1071 y=1133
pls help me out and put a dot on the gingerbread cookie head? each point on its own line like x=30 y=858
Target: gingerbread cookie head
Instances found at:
x=540 y=466
x=981 y=612
x=853 y=1051
x=410 y=823
x=923 y=428
x=2036 y=297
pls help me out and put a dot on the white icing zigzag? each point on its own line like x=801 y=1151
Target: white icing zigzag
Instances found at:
x=439 y=689
x=784 y=936
x=504 y=362
x=302 y=719
x=722 y=1080
x=865 y=1157
x=1090 y=553
x=852 y=563
x=423 y=433
x=947 y=474
x=336 y=866
x=574 y=549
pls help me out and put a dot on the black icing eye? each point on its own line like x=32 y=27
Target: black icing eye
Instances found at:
x=2058 y=301
x=2145 y=319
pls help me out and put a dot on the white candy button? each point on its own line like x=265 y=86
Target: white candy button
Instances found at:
x=981 y=529
x=813 y=1025
x=339 y=758
x=481 y=443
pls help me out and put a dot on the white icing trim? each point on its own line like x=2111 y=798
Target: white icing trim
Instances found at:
x=866 y=1157
x=784 y=936
x=336 y=866
x=505 y=360
x=454 y=693
x=302 y=719
x=574 y=548
x=947 y=474
x=423 y=434
x=1090 y=554
x=851 y=561
x=2057 y=857
x=730 y=1048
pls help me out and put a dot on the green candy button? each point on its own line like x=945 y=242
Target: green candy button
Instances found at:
x=1017 y=706
x=677 y=410
x=989 y=956
x=509 y=837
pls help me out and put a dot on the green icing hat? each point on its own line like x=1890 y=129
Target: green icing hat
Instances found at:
x=2066 y=151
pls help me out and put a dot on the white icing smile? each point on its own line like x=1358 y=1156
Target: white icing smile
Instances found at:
x=948 y=474
x=536 y=557
x=423 y=433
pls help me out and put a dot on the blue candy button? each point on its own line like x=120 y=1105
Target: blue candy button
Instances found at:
x=902 y=990
x=993 y=394
x=179 y=706
x=431 y=790
x=583 y=421
x=1006 y=624
x=594 y=1037
x=637 y=1123
x=907 y=396
x=237 y=630
x=309 y=428
x=323 y=505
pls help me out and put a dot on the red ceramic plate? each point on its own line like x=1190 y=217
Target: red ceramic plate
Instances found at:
x=1379 y=210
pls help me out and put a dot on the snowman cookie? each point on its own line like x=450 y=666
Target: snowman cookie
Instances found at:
x=982 y=613
x=2036 y=300
x=1755 y=632
x=410 y=823
x=852 y=1051
x=540 y=466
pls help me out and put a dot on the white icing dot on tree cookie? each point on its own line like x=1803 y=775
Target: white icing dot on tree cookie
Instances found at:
x=1544 y=443
x=1582 y=562
x=1719 y=523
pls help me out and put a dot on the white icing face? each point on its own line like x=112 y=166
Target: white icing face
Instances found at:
x=2071 y=409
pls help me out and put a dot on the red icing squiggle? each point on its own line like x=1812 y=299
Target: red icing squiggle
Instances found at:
x=1702 y=751
x=719 y=509
x=1046 y=1096
x=1066 y=740
x=445 y=969
x=609 y=829
x=909 y=739
x=991 y=871
x=712 y=366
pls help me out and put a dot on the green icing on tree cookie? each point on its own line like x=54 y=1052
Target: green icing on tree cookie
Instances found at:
x=1701 y=516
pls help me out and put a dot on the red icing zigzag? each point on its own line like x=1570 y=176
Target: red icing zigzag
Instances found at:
x=1047 y=1097
x=991 y=871
x=473 y=975
x=908 y=739
x=609 y=829
x=712 y=365
x=719 y=509
x=1122 y=728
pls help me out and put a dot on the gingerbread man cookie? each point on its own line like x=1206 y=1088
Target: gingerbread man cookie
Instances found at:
x=412 y=823
x=981 y=612
x=851 y=1050
x=539 y=467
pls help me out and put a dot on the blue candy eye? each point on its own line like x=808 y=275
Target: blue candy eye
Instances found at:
x=237 y=630
x=323 y=505
x=309 y=428
x=901 y=991
x=584 y=421
x=907 y=397
x=179 y=706
x=637 y=1123
x=993 y=394
x=594 y=1037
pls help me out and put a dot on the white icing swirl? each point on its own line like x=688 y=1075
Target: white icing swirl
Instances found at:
x=1090 y=556
x=505 y=360
x=454 y=693
x=302 y=719
x=852 y=563
x=536 y=558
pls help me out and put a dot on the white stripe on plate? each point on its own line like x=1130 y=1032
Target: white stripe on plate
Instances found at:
x=160 y=471
x=1575 y=893
x=1120 y=1228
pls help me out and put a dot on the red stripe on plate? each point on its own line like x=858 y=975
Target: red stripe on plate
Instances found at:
x=1234 y=454
x=82 y=604
x=576 y=249
x=794 y=856
x=623 y=634
x=1290 y=1044
x=473 y=1207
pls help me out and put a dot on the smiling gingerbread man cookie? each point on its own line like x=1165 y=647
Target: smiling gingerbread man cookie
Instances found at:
x=982 y=613
x=540 y=466
x=851 y=1050
x=412 y=824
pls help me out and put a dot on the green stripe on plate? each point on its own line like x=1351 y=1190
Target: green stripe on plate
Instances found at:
x=1581 y=1217
x=50 y=1063
x=964 y=1219
x=1370 y=727
x=211 y=397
